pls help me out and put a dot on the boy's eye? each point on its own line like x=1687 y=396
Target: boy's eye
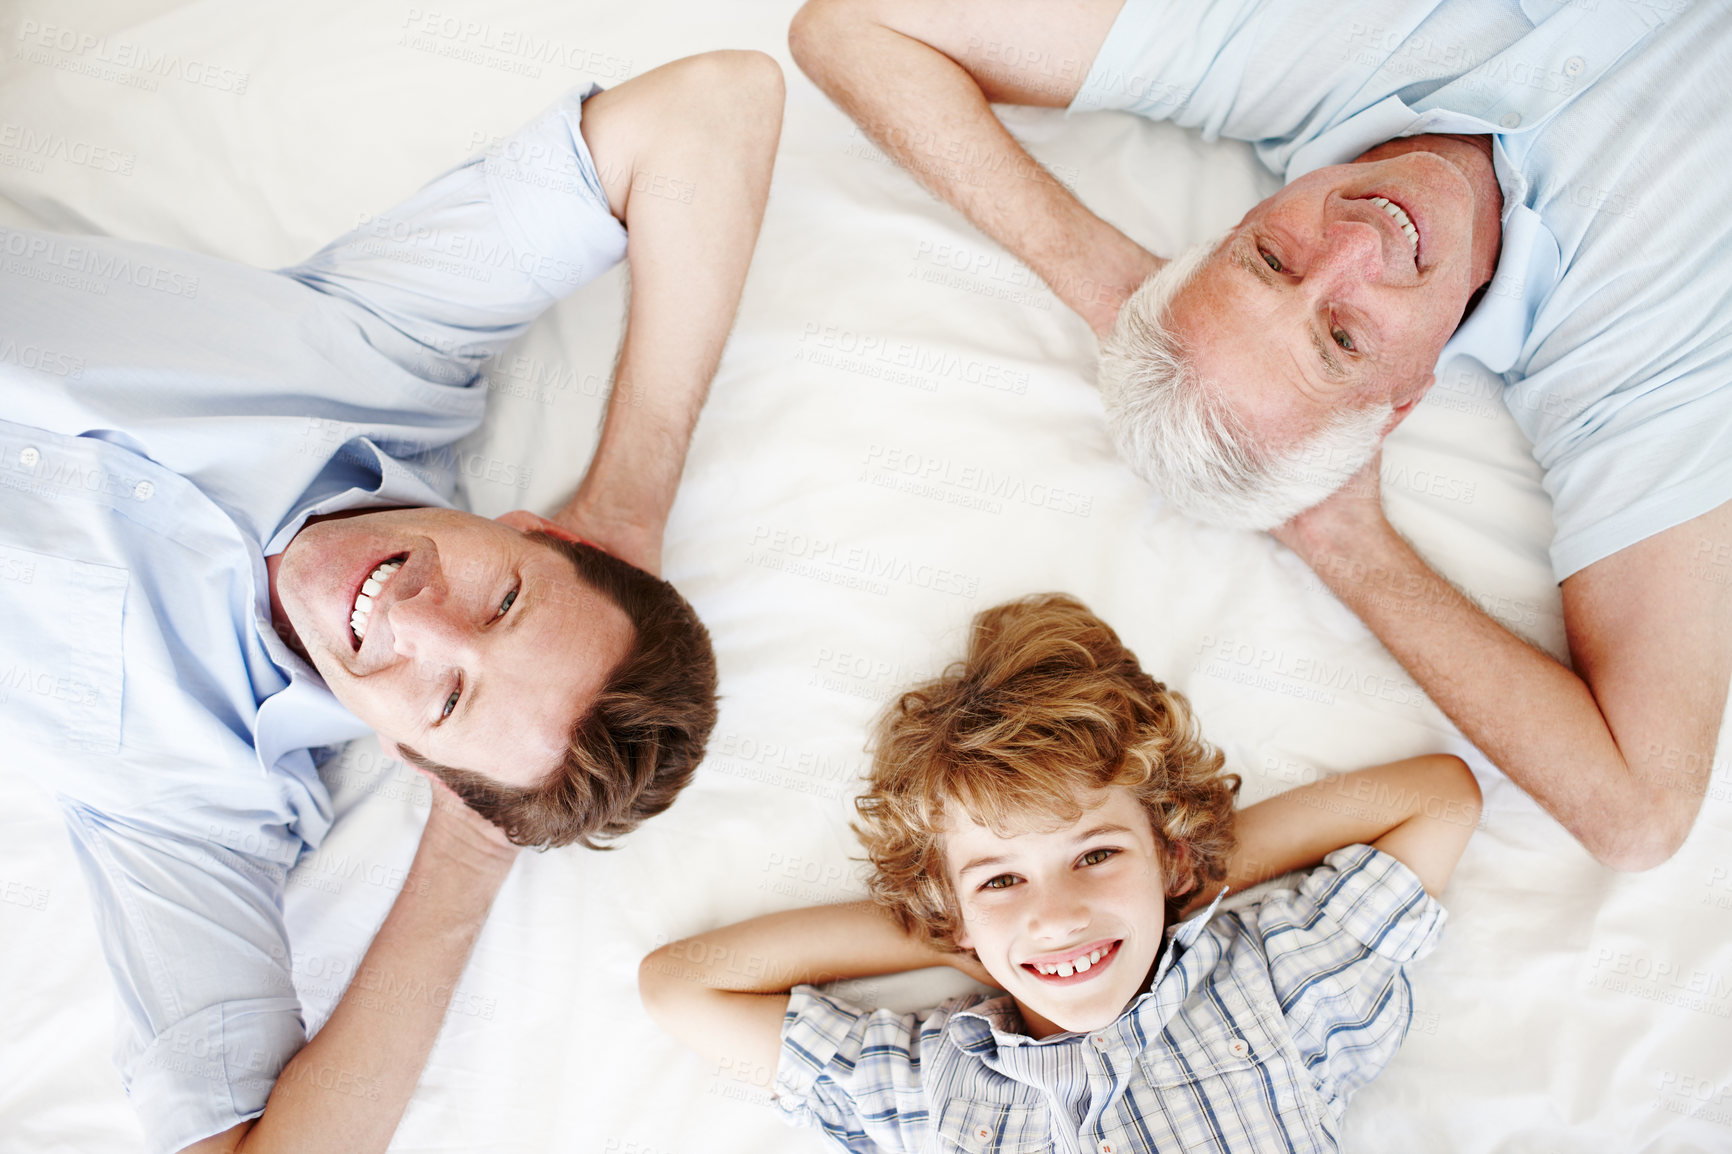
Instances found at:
x=1270 y=259
x=1001 y=882
x=1097 y=856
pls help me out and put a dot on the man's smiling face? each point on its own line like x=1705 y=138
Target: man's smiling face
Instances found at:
x=1340 y=290
x=480 y=650
x=1067 y=919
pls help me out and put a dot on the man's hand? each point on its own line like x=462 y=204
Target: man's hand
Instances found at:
x=456 y=827
x=1353 y=513
x=707 y=127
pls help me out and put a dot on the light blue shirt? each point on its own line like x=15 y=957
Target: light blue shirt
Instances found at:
x=1612 y=131
x=1257 y=1027
x=171 y=420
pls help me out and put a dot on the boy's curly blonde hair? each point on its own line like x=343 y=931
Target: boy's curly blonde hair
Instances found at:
x=1047 y=707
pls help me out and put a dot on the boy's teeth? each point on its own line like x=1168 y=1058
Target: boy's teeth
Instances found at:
x=1077 y=965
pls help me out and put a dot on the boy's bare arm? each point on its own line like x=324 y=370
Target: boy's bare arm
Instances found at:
x=1421 y=811
x=724 y=992
x=917 y=76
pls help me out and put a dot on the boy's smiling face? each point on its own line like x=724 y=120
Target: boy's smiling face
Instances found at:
x=1068 y=920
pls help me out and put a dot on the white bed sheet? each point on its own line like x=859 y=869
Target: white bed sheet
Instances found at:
x=903 y=430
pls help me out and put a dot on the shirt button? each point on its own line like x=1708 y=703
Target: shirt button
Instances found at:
x=1511 y=120
x=143 y=490
x=28 y=458
x=1239 y=1047
x=1104 y=1146
x=1574 y=65
x=983 y=1133
x=1101 y=1042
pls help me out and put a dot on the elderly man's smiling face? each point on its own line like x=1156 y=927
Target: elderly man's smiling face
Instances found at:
x=477 y=645
x=1340 y=290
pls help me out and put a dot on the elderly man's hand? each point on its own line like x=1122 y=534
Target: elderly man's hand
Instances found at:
x=1339 y=524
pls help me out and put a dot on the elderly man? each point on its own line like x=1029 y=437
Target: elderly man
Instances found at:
x=228 y=546
x=1547 y=169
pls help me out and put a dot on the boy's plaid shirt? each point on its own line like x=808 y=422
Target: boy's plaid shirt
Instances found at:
x=1259 y=1024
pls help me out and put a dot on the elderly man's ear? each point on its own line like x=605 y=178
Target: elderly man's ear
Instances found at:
x=1405 y=399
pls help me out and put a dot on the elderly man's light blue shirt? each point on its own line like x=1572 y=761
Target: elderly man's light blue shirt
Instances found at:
x=169 y=421
x=1612 y=125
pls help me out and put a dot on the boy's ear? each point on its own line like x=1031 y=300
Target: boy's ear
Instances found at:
x=1181 y=869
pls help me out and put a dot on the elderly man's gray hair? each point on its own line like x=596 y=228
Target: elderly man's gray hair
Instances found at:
x=1179 y=433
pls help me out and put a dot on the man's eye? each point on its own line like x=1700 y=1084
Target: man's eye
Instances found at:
x=1341 y=338
x=451 y=703
x=1001 y=882
x=505 y=606
x=1270 y=259
x=1097 y=856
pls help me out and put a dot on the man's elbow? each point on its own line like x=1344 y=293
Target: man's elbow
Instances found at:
x=818 y=28
x=1644 y=837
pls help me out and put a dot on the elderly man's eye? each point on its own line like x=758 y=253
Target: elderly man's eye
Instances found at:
x=450 y=703
x=1342 y=339
x=505 y=606
x=1270 y=259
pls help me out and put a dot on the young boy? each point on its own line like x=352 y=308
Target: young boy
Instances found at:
x=1038 y=817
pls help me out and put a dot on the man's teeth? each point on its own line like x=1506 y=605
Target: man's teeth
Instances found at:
x=1400 y=218
x=1077 y=965
x=364 y=599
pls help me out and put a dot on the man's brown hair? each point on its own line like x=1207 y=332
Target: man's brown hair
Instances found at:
x=1047 y=707
x=637 y=745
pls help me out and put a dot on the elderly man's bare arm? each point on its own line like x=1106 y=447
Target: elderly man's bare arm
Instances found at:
x=1618 y=750
x=917 y=75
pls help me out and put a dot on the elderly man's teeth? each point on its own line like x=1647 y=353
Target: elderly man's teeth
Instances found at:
x=1400 y=218
x=364 y=599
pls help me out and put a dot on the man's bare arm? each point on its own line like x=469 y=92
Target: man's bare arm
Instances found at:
x=685 y=153
x=1617 y=750
x=917 y=75
x=347 y=1088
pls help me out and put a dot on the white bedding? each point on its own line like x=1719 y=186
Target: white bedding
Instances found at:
x=904 y=430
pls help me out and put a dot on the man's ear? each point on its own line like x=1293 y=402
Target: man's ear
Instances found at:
x=1406 y=399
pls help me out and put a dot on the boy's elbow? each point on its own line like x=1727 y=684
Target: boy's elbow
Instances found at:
x=659 y=979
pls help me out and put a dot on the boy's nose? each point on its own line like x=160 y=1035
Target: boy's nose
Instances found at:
x=1059 y=916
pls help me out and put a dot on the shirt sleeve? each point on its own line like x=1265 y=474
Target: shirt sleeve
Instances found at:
x=450 y=276
x=1337 y=949
x=853 y=1073
x=193 y=935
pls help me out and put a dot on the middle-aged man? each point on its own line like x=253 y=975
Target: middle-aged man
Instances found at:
x=227 y=545
x=1551 y=170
